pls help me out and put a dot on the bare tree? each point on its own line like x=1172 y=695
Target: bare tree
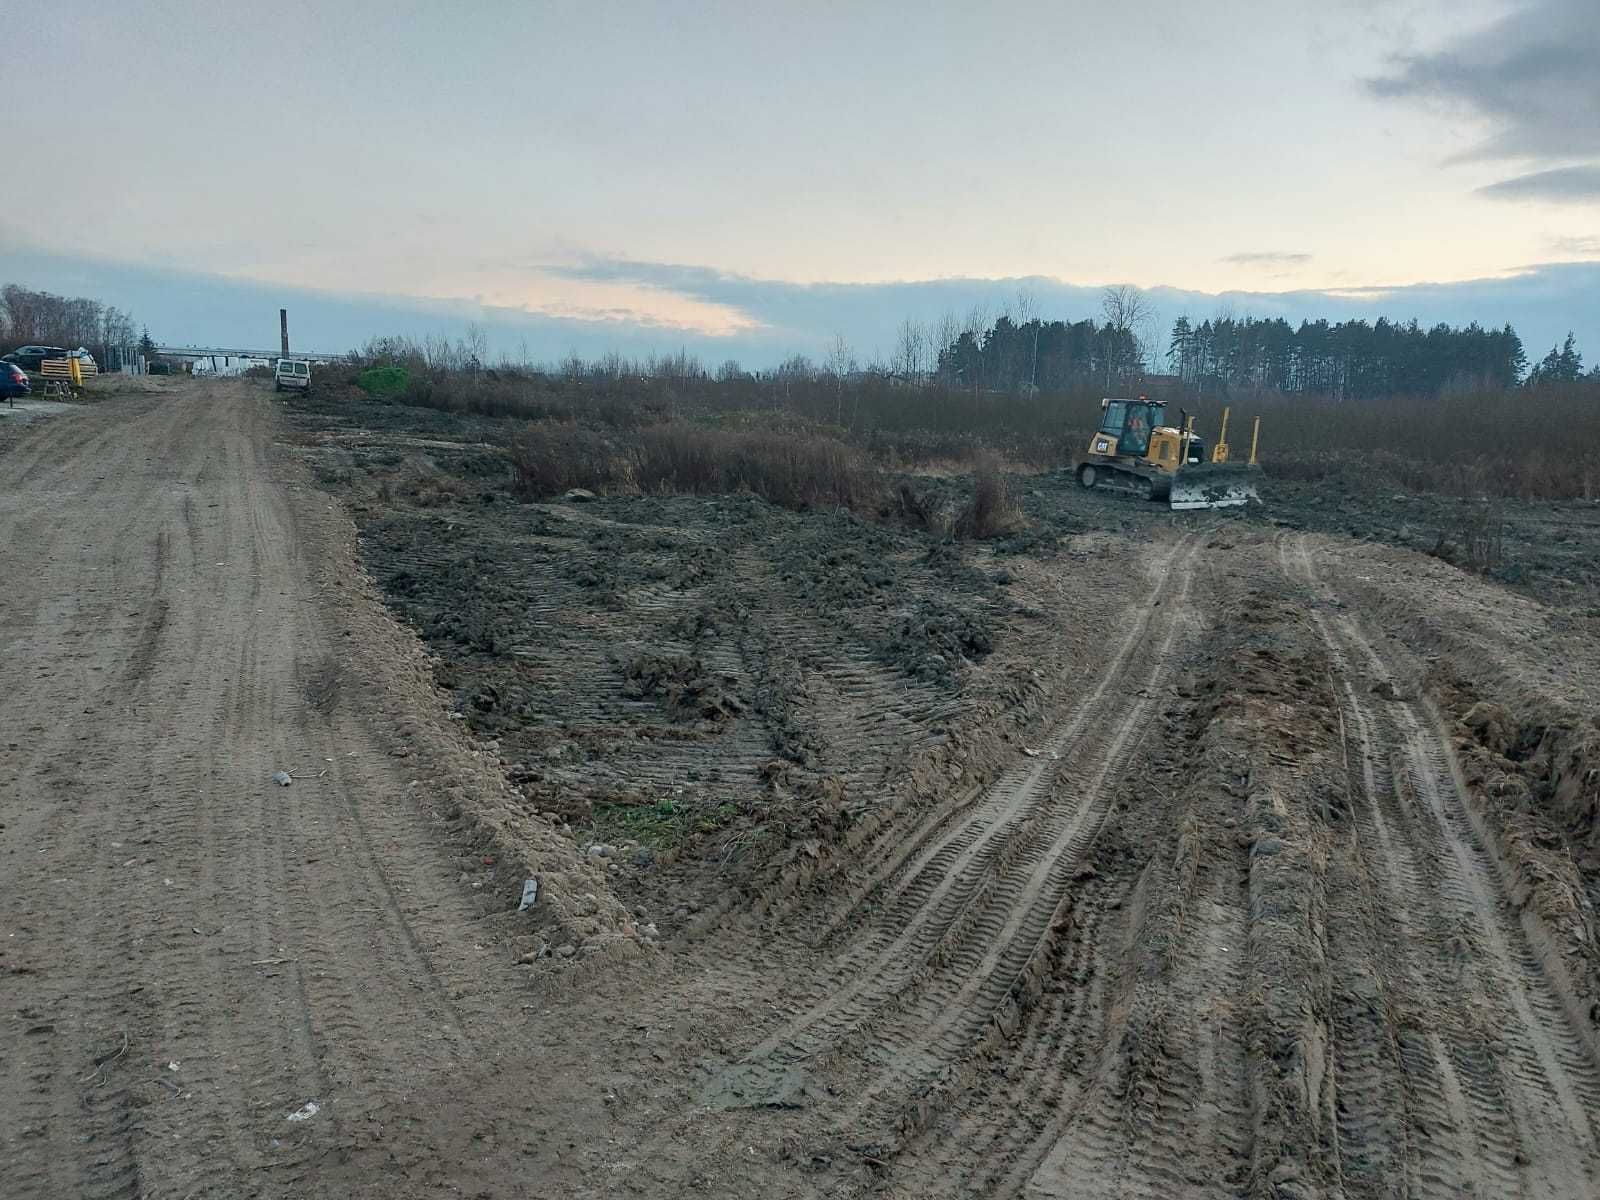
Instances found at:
x=1127 y=314
x=1124 y=307
x=1028 y=314
x=30 y=316
x=911 y=350
x=475 y=346
x=841 y=364
x=945 y=332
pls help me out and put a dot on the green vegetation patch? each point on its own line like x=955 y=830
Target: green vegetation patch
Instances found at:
x=384 y=381
x=662 y=824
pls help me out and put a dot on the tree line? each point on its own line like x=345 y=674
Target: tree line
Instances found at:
x=1016 y=352
x=1346 y=359
x=1562 y=365
x=29 y=317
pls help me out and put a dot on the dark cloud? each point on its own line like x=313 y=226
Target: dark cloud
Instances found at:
x=1534 y=75
x=1561 y=185
x=1267 y=258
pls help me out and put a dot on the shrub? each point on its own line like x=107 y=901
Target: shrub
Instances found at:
x=513 y=395
x=787 y=469
x=1535 y=444
x=384 y=381
x=1476 y=540
x=991 y=512
x=550 y=458
x=918 y=509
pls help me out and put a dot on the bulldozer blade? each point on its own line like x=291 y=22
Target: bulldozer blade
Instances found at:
x=1214 y=485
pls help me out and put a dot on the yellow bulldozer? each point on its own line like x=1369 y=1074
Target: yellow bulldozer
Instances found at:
x=1134 y=450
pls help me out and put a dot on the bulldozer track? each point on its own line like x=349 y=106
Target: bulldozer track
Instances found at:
x=955 y=923
x=996 y=1138
x=1500 y=1087
x=952 y=838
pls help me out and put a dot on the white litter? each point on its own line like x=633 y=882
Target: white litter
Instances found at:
x=282 y=778
x=530 y=895
x=310 y=1109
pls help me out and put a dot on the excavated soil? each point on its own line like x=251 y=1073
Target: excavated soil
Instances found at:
x=1138 y=854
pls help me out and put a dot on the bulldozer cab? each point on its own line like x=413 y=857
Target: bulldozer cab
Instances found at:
x=1131 y=423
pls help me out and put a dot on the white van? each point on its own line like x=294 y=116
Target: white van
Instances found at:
x=292 y=373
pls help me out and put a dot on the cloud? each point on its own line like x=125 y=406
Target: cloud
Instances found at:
x=1267 y=258
x=805 y=315
x=1532 y=75
x=1560 y=185
x=1542 y=302
x=1584 y=247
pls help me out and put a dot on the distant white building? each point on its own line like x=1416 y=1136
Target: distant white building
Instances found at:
x=221 y=364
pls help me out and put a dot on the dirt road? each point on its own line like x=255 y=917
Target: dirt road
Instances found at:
x=195 y=955
x=1249 y=863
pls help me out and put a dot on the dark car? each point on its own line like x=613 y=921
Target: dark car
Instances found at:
x=13 y=381
x=29 y=357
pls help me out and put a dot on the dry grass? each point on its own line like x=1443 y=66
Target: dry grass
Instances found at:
x=791 y=470
x=550 y=457
x=421 y=483
x=1539 y=444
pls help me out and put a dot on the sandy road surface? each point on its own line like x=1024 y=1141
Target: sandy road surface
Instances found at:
x=191 y=953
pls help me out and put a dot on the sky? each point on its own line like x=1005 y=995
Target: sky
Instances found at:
x=750 y=180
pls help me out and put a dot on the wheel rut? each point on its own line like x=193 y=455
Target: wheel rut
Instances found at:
x=952 y=933
x=200 y=951
x=1473 y=1048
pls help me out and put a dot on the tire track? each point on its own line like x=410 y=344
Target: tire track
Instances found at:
x=936 y=847
x=999 y=874
x=229 y=948
x=1161 y=1104
x=1502 y=1090
x=988 y=959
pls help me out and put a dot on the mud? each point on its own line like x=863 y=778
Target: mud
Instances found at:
x=1545 y=550
x=1246 y=864
x=705 y=682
